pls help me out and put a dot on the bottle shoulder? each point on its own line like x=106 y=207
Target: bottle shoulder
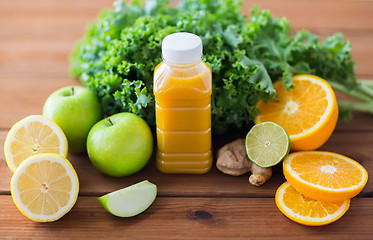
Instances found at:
x=182 y=70
x=192 y=77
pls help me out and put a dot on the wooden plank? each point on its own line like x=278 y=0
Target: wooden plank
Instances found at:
x=35 y=40
x=38 y=37
x=186 y=218
x=356 y=145
x=25 y=96
x=320 y=14
x=361 y=122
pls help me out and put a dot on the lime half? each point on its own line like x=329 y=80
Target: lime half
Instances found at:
x=267 y=143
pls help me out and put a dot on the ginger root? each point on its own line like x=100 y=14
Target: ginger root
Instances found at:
x=233 y=160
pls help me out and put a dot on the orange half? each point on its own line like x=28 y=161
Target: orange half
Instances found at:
x=309 y=112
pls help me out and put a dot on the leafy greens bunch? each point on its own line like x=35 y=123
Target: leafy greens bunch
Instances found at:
x=121 y=49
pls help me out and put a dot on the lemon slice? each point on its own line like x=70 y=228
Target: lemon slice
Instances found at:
x=307 y=211
x=33 y=134
x=45 y=187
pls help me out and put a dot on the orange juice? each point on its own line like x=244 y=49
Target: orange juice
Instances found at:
x=182 y=89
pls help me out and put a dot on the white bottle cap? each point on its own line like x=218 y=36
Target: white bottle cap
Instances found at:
x=182 y=48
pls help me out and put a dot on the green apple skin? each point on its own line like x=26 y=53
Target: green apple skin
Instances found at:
x=75 y=111
x=120 y=147
x=130 y=201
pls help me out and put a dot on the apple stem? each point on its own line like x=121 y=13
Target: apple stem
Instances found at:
x=111 y=123
x=72 y=91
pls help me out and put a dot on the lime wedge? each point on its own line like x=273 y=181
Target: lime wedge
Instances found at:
x=267 y=143
x=130 y=201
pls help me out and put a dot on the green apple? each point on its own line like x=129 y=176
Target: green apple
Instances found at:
x=75 y=109
x=120 y=145
x=130 y=201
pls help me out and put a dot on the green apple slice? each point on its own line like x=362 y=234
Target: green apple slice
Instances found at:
x=130 y=201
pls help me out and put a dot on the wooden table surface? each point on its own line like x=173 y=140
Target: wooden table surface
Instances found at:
x=36 y=38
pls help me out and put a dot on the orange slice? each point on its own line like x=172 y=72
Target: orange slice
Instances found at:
x=45 y=187
x=324 y=176
x=33 y=134
x=309 y=112
x=307 y=211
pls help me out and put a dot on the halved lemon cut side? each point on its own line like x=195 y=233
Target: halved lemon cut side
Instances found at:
x=45 y=187
x=32 y=135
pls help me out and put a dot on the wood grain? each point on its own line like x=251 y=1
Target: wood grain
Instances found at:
x=24 y=96
x=356 y=145
x=186 y=218
x=36 y=38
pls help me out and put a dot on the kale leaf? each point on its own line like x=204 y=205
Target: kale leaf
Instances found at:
x=120 y=50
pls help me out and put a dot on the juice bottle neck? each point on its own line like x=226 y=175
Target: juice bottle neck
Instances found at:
x=183 y=65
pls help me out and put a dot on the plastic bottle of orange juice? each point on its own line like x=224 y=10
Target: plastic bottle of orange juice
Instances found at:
x=182 y=89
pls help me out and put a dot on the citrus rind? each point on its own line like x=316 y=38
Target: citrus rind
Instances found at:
x=9 y=156
x=319 y=192
x=307 y=220
x=275 y=150
x=313 y=137
x=70 y=172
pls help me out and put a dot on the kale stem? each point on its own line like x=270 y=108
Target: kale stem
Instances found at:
x=356 y=106
x=368 y=83
x=353 y=93
x=366 y=89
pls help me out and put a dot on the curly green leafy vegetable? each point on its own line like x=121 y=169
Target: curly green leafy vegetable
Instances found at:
x=120 y=50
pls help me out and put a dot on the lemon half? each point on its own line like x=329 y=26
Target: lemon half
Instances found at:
x=32 y=135
x=45 y=187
